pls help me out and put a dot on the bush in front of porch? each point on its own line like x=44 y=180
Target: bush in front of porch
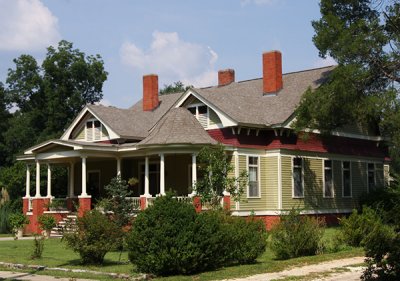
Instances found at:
x=170 y=238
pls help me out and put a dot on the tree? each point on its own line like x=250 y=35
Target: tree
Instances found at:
x=177 y=87
x=363 y=37
x=46 y=98
x=49 y=96
x=4 y=117
x=215 y=168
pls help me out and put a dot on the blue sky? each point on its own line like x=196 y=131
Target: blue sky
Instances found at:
x=178 y=40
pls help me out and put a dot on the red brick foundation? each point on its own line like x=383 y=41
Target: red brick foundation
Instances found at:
x=330 y=219
x=85 y=204
x=25 y=205
x=143 y=202
x=38 y=207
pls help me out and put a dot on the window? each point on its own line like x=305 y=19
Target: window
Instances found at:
x=371 y=176
x=298 y=188
x=346 y=179
x=93 y=130
x=253 y=189
x=201 y=113
x=328 y=179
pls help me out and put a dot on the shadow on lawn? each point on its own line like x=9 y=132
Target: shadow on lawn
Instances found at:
x=106 y=263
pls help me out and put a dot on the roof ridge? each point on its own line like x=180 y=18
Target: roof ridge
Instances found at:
x=259 y=78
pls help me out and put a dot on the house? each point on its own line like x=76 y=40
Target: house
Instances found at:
x=157 y=139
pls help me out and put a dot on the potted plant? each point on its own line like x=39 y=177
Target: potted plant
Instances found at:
x=18 y=222
x=47 y=223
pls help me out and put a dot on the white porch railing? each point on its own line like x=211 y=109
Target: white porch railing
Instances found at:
x=185 y=199
x=135 y=202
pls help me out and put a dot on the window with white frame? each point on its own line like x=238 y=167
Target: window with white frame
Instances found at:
x=253 y=167
x=328 y=179
x=371 y=176
x=298 y=185
x=346 y=178
x=93 y=130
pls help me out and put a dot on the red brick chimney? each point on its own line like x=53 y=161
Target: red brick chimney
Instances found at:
x=272 y=72
x=226 y=77
x=150 y=92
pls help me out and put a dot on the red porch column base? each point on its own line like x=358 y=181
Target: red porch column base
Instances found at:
x=25 y=205
x=84 y=205
x=38 y=207
x=227 y=202
x=197 y=203
x=143 y=202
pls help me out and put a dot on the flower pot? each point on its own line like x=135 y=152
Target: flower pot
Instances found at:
x=46 y=233
x=19 y=233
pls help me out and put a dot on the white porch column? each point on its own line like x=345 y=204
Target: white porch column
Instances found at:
x=118 y=167
x=84 y=193
x=162 y=174
x=48 y=181
x=28 y=181
x=71 y=186
x=146 y=177
x=37 y=179
x=194 y=174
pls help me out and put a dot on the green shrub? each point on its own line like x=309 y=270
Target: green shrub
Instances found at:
x=47 y=222
x=387 y=201
x=169 y=238
x=18 y=220
x=296 y=235
x=5 y=212
x=357 y=226
x=248 y=237
x=382 y=249
x=95 y=235
x=161 y=239
x=38 y=247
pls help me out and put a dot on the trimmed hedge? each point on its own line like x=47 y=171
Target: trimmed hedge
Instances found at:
x=169 y=238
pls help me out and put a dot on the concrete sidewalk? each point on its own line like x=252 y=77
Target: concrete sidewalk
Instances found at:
x=33 y=277
x=11 y=238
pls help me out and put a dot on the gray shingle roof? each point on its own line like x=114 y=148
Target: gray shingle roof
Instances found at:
x=245 y=103
x=134 y=122
x=242 y=101
x=178 y=126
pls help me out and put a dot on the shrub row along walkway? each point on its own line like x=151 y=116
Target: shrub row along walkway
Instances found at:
x=311 y=269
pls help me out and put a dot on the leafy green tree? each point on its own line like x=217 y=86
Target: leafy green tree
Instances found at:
x=363 y=37
x=49 y=96
x=215 y=169
x=177 y=87
x=4 y=117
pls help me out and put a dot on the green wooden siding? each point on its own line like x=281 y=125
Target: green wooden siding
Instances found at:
x=104 y=131
x=269 y=181
x=268 y=169
x=81 y=134
x=213 y=117
x=313 y=185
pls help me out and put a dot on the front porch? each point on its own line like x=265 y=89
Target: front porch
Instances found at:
x=88 y=172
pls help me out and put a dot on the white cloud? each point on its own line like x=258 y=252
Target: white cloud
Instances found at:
x=172 y=59
x=104 y=102
x=321 y=62
x=26 y=25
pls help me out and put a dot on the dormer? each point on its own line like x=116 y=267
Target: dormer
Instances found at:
x=203 y=113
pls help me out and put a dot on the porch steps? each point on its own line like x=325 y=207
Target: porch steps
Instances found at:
x=67 y=224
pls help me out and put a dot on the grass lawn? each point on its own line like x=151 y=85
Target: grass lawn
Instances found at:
x=6 y=235
x=56 y=255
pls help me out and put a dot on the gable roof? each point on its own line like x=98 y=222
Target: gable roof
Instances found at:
x=242 y=102
x=178 y=126
x=134 y=122
x=245 y=103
